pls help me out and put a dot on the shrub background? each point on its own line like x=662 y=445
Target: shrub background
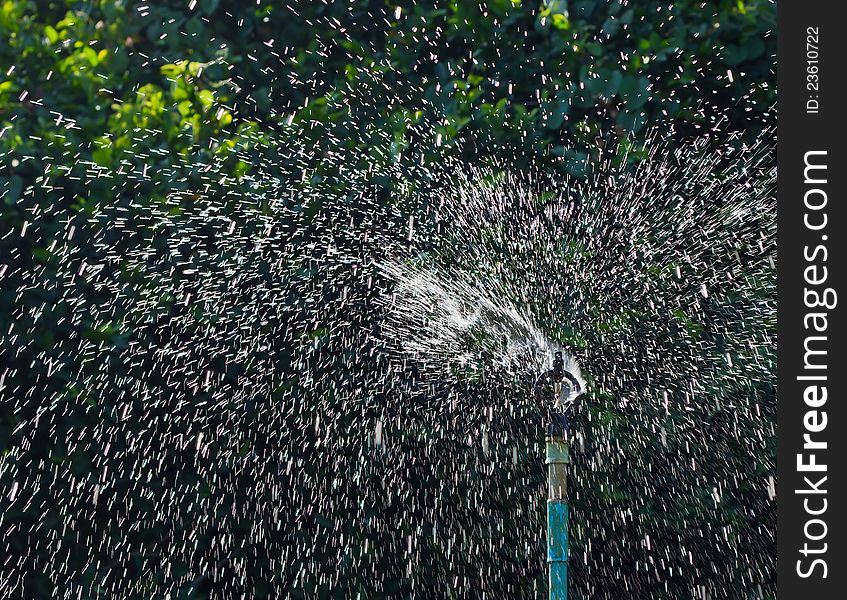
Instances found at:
x=93 y=93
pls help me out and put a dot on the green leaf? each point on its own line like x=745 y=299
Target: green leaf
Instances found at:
x=561 y=22
x=51 y=34
x=102 y=156
x=12 y=189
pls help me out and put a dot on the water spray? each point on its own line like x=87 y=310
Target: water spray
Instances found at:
x=557 y=390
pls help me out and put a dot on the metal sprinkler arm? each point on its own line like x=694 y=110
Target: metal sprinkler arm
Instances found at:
x=558 y=366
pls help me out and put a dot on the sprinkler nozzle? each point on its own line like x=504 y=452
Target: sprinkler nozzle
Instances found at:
x=557 y=387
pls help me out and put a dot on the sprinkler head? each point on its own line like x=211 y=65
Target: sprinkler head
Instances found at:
x=558 y=388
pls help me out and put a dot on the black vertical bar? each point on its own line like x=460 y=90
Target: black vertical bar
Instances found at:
x=812 y=561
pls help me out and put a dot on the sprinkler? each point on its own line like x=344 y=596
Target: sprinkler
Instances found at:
x=557 y=390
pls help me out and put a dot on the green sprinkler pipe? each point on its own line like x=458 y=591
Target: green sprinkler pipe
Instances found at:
x=557 y=506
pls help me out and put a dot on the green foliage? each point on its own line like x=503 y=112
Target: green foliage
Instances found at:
x=103 y=86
